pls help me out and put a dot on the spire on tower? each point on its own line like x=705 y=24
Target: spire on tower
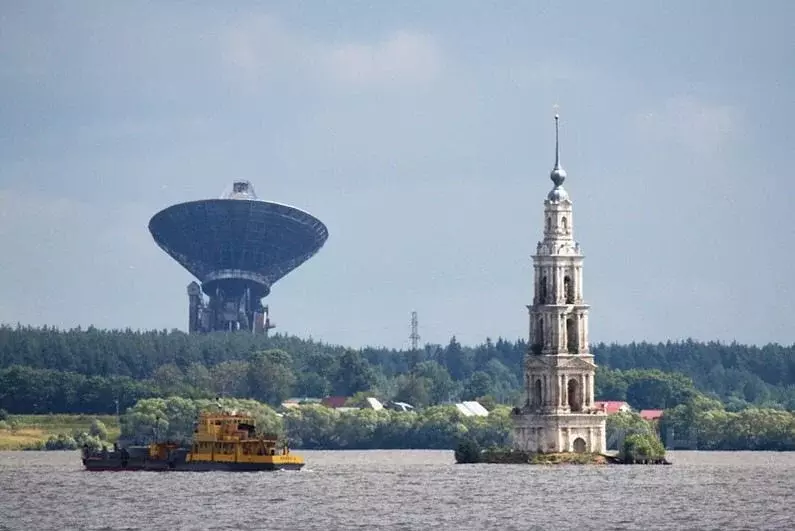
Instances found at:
x=558 y=174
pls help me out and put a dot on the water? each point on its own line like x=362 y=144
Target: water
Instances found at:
x=404 y=490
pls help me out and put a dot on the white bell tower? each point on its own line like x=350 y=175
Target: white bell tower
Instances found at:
x=558 y=414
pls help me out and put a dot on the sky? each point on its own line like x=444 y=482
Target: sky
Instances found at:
x=422 y=135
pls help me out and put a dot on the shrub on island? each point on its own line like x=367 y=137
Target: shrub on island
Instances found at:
x=642 y=448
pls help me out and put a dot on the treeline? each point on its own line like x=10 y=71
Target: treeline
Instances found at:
x=88 y=370
x=702 y=422
x=319 y=427
x=757 y=375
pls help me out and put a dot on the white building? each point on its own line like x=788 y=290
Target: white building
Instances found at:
x=472 y=408
x=559 y=414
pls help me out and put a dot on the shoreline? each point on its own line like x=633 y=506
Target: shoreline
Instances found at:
x=509 y=456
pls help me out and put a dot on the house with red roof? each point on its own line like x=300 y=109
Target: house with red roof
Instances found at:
x=334 y=402
x=652 y=415
x=611 y=407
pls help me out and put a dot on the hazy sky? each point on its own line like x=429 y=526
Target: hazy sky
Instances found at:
x=421 y=133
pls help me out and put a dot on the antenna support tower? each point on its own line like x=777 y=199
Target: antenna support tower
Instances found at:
x=415 y=336
x=267 y=324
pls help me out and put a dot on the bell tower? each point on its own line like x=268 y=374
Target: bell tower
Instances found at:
x=558 y=413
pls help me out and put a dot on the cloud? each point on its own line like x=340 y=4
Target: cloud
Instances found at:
x=403 y=57
x=261 y=48
x=701 y=127
x=265 y=50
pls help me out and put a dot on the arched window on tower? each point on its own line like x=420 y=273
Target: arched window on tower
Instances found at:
x=564 y=224
x=537 y=399
x=571 y=336
x=575 y=396
x=543 y=290
x=568 y=287
x=549 y=223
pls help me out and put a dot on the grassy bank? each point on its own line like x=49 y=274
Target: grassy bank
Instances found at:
x=24 y=431
x=513 y=457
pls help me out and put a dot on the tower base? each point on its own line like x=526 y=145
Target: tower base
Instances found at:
x=560 y=432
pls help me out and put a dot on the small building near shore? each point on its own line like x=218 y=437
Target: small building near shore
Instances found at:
x=334 y=402
x=651 y=415
x=291 y=403
x=611 y=407
x=400 y=406
x=472 y=408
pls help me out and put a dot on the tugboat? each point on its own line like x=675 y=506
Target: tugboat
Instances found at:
x=224 y=441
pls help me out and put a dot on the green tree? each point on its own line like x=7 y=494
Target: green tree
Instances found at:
x=416 y=390
x=443 y=388
x=621 y=425
x=354 y=374
x=642 y=447
x=609 y=384
x=312 y=426
x=503 y=380
x=657 y=390
x=312 y=384
x=479 y=384
x=682 y=422
x=169 y=378
x=456 y=360
x=270 y=377
x=468 y=451
x=230 y=378
x=357 y=429
x=487 y=401
x=197 y=376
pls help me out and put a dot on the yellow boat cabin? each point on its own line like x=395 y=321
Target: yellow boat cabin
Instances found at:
x=231 y=438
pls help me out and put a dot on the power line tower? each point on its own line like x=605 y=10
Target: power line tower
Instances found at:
x=415 y=336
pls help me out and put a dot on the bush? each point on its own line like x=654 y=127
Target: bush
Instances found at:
x=61 y=442
x=3 y=414
x=35 y=446
x=642 y=447
x=93 y=442
x=468 y=451
x=4 y=425
x=98 y=430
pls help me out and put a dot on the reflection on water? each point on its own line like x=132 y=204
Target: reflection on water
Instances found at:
x=404 y=490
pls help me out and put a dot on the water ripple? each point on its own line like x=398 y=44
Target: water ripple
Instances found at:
x=403 y=490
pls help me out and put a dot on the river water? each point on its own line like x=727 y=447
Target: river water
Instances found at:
x=404 y=490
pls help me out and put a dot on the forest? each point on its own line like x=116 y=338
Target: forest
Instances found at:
x=716 y=396
x=46 y=370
